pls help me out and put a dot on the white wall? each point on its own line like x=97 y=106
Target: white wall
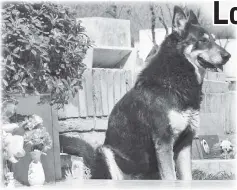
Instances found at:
x=145 y=41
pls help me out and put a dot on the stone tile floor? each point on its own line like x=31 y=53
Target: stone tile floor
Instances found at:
x=145 y=184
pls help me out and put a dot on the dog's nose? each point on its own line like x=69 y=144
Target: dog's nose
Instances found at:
x=225 y=56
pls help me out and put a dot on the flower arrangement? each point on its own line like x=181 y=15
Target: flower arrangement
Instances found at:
x=32 y=122
x=36 y=135
x=15 y=139
x=227 y=150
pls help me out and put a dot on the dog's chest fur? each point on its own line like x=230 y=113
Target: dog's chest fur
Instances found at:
x=179 y=120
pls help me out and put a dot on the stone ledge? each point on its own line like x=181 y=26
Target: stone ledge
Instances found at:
x=215 y=166
x=101 y=124
x=77 y=124
x=83 y=125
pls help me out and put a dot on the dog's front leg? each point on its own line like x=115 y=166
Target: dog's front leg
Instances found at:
x=164 y=155
x=183 y=163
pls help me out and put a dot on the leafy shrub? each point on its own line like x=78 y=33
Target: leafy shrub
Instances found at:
x=42 y=50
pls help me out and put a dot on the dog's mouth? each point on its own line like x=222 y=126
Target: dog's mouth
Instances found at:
x=207 y=65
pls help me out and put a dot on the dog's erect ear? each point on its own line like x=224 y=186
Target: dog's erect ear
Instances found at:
x=179 y=20
x=192 y=18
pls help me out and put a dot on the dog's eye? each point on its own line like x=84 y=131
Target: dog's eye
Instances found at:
x=204 y=40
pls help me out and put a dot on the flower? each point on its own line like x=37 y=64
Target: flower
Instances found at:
x=34 y=121
x=12 y=147
x=226 y=146
x=39 y=139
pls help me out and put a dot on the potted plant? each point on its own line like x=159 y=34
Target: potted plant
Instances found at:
x=38 y=141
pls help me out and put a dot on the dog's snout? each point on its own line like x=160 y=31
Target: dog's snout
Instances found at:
x=225 y=56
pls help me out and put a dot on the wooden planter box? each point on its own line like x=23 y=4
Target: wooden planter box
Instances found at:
x=111 y=43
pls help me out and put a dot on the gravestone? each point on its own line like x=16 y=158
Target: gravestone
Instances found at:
x=51 y=162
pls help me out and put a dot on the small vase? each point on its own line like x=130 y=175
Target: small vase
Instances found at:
x=36 y=176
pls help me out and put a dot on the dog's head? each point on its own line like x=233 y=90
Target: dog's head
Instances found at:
x=196 y=43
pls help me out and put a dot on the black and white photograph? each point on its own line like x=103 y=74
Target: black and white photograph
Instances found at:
x=140 y=93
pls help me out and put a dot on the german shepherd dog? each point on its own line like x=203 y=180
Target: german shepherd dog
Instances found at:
x=150 y=130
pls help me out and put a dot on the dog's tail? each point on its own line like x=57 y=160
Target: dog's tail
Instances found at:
x=105 y=165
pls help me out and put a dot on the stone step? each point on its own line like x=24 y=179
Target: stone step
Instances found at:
x=74 y=165
x=215 y=166
x=83 y=125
